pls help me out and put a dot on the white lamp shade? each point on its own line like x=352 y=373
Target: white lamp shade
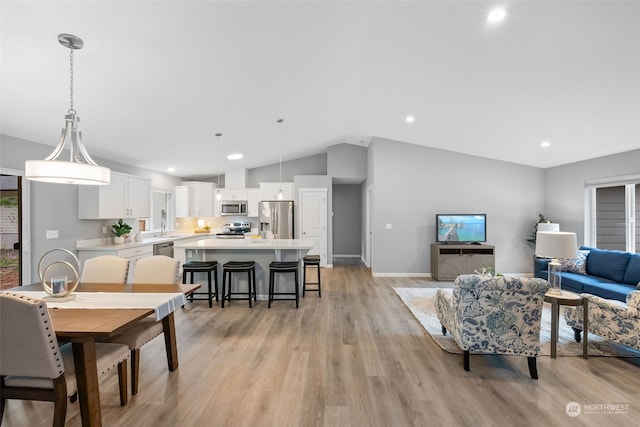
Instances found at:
x=61 y=172
x=548 y=226
x=556 y=244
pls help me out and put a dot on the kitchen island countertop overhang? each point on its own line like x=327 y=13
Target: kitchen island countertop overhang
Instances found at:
x=250 y=244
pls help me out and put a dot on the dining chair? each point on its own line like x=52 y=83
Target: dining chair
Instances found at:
x=105 y=269
x=158 y=269
x=32 y=364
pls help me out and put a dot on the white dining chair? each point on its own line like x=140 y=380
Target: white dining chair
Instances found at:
x=105 y=269
x=158 y=269
x=32 y=364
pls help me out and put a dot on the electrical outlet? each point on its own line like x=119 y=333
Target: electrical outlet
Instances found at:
x=389 y=226
x=52 y=234
x=104 y=230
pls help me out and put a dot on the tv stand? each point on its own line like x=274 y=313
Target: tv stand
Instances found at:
x=448 y=261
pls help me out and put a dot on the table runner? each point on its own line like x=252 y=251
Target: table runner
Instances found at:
x=161 y=303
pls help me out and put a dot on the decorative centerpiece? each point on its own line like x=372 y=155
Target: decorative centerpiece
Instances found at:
x=121 y=229
x=53 y=278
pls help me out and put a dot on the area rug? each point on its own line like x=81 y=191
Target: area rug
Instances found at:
x=421 y=303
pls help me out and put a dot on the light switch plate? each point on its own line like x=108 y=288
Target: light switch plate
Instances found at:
x=389 y=226
x=52 y=234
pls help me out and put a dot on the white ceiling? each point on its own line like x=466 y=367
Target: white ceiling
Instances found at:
x=157 y=79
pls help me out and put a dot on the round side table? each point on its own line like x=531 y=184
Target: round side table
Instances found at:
x=570 y=299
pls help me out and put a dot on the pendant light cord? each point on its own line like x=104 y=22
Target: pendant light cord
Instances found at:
x=71 y=110
x=280 y=121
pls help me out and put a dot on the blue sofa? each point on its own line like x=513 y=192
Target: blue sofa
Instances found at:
x=609 y=274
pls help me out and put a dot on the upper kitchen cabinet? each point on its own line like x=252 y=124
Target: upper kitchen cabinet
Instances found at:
x=195 y=199
x=125 y=197
x=270 y=190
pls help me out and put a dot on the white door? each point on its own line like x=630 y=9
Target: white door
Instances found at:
x=313 y=220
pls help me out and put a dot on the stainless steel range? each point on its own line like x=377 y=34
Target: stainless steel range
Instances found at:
x=234 y=230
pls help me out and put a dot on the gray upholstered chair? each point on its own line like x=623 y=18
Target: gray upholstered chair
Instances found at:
x=105 y=269
x=34 y=367
x=494 y=315
x=156 y=269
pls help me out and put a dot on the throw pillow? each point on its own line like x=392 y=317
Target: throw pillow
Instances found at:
x=575 y=265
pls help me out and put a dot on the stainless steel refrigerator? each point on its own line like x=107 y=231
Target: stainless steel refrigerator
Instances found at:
x=276 y=219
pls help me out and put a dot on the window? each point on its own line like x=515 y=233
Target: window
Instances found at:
x=612 y=208
x=161 y=205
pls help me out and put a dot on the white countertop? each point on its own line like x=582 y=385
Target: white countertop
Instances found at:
x=249 y=244
x=100 y=245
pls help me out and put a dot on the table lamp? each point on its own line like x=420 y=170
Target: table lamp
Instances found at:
x=555 y=245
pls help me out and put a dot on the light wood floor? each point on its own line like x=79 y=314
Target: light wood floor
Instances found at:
x=355 y=357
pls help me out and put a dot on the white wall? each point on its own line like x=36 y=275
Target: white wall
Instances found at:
x=413 y=183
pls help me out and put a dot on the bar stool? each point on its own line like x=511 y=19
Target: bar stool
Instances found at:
x=282 y=267
x=228 y=268
x=311 y=261
x=202 y=267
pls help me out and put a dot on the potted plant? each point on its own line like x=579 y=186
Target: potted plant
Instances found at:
x=121 y=229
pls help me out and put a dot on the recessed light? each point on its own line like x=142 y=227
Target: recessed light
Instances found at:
x=497 y=14
x=235 y=156
x=171 y=169
x=410 y=119
x=545 y=144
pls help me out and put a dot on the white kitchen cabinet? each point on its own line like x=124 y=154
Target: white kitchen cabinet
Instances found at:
x=270 y=190
x=125 y=197
x=130 y=254
x=233 y=194
x=253 y=202
x=195 y=199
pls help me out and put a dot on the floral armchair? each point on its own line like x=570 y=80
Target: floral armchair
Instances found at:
x=610 y=319
x=494 y=315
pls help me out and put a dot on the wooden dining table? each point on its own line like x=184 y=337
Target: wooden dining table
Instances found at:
x=82 y=327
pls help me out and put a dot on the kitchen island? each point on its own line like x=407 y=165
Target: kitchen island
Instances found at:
x=262 y=251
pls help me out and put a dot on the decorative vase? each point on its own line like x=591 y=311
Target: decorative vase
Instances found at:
x=118 y=240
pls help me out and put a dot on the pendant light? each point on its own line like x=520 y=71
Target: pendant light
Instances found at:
x=80 y=169
x=280 y=194
x=218 y=195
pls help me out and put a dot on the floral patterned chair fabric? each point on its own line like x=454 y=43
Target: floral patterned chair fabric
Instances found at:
x=494 y=315
x=610 y=319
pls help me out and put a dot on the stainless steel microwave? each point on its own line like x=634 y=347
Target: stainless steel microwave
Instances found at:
x=233 y=207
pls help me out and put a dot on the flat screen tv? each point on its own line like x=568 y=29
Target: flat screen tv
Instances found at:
x=461 y=228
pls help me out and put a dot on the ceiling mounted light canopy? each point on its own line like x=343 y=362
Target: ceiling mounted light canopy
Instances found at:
x=80 y=169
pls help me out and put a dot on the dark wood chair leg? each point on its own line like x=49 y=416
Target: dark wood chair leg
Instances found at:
x=533 y=369
x=122 y=382
x=295 y=273
x=319 y=284
x=577 y=334
x=135 y=370
x=60 y=401
x=465 y=359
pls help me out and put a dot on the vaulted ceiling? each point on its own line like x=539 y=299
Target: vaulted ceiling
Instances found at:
x=157 y=79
